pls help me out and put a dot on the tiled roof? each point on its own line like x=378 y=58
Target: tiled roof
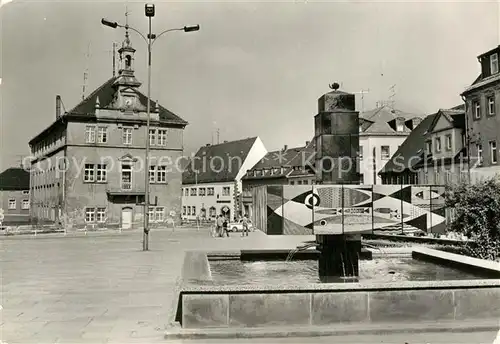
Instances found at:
x=480 y=82
x=377 y=121
x=15 y=178
x=283 y=163
x=218 y=163
x=455 y=117
x=410 y=150
x=105 y=92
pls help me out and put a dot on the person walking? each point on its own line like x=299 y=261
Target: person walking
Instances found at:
x=224 y=226
x=220 y=223
x=244 y=222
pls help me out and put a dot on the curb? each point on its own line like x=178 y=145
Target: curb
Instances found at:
x=176 y=332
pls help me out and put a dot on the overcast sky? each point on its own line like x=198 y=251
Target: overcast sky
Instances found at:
x=253 y=68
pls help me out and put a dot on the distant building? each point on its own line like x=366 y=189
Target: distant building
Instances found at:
x=15 y=195
x=89 y=165
x=483 y=115
x=291 y=166
x=434 y=153
x=382 y=131
x=211 y=183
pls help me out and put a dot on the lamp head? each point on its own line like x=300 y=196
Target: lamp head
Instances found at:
x=149 y=10
x=191 y=28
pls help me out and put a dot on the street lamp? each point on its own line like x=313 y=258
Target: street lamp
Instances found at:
x=149 y=10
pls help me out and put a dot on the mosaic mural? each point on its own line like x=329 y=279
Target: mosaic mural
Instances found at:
x=344 y=209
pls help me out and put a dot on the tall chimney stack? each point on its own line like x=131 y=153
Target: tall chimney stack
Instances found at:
x=58 y=107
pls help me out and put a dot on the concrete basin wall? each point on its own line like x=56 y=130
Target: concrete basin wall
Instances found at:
x=202 y=305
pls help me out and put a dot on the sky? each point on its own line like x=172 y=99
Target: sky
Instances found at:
x=253 y=69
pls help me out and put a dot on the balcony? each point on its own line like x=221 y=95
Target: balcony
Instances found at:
x=125 y=188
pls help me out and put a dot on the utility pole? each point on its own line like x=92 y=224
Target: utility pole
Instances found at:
x=86 y=72
x=362 y=92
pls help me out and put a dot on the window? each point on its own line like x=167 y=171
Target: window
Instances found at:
x=101 y=173
x=101 y=215
x=292 y=182
x=26 y=192
x=480 y=154
x=226 y=191
x=189 y=210
x=437 y=176
x=210 y=191
x=152 y=170
x=186 y=192
x=161 y=175
x=184 y=210
x=448 y=142
x=159 y=214
x=447 y=177
x=491 y=105
x=202 y=191
x=193 y=191
x=88 y=175
x=476 y=108
x=212 y=212
x=494 y=63
x=151 y=214
x=12 y=204
x=152 y=136
x=399 y=126
x=126 y=182
x=493 y=152
x=428 y=146
x=193 y=210
x=25 y=204
x=360 y=152
x=89 y=215
x=127 y=136
x=162 y=137
x=90 y=134
x=102 y=135
x=385 y=152
x=438 y=144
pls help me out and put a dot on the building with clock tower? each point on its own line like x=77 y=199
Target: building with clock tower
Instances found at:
x=88 y=167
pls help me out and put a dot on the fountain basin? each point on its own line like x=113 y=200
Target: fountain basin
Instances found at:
x=206 y=303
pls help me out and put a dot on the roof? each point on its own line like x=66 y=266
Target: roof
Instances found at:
x=489 y=52
x=377 y=121
x=480 y=82
x=455 y=117
x=105 y=92
x=459 y=157
x=218 y=163
x=411 y=150
x=290 y=159
x=15 y=178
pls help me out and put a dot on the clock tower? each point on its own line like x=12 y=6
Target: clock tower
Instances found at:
x=126 y=98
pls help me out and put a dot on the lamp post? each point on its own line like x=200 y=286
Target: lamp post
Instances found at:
x=149 y=10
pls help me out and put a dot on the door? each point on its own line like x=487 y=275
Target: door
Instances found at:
x=126 y=218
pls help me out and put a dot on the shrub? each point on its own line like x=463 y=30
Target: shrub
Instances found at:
x=477 y=215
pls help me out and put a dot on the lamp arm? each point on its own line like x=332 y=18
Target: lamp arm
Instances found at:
x=161 y=33
x=135 y=30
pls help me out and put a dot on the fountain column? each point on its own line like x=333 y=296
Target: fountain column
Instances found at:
x=337 y=145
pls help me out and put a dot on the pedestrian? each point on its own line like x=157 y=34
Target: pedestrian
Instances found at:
x=244 y=222
x=219 y=226
x=224 y=226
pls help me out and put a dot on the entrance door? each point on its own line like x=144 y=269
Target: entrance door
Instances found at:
x=126 y=218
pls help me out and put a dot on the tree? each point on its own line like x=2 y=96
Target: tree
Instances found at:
x=477 y=215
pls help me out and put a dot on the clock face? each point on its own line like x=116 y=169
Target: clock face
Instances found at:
x=128 y=102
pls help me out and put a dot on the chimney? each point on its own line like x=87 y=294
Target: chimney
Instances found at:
x=225 y=141
x=285 y=147
x=208 y=145
x=307 y=143
x=58 y=107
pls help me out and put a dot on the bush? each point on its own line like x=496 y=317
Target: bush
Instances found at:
x=477 y=215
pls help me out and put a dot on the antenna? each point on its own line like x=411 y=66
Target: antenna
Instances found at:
x=393 y=94
x=86 y=72
x=218 y=135
x=362 y=92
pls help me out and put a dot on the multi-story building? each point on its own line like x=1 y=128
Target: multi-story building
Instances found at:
x=211 y=183
x=434 y=153
x=15 y=196
x=382 y=131
x=89 y=164
x=291 y=166
x=482 y=100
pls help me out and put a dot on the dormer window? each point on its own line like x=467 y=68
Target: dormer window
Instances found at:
x=494 y=63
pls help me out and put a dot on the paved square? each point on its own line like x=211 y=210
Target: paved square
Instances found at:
x=101 y=288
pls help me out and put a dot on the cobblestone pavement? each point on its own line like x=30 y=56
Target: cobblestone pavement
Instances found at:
x=100 y=288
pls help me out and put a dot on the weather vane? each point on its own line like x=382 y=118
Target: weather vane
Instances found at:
x=335 y=86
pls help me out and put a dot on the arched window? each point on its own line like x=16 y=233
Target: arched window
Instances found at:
x=128 y=61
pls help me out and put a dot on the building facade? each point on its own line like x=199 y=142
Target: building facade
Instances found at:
x=482 y=100
x=382 y=131
x=89 y=165
x=212 y=182
x=15 y=196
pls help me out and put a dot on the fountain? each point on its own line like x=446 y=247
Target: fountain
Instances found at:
x=236 y=293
